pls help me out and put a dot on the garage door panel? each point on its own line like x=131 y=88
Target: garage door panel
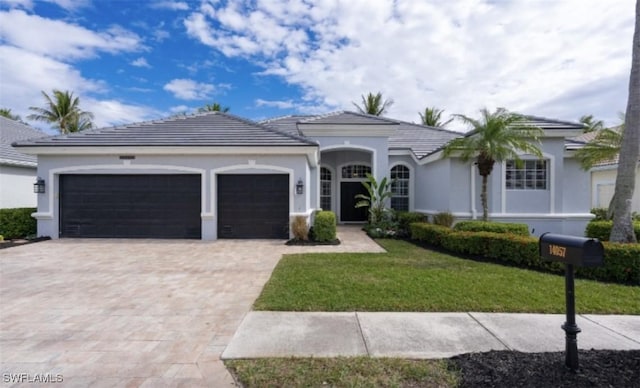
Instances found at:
x=130 y=206
x=253 y=206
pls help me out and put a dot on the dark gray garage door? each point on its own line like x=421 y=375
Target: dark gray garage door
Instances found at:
x=253 y=206
x=130 y=206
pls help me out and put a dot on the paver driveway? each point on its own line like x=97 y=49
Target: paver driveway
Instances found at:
x=133 y=312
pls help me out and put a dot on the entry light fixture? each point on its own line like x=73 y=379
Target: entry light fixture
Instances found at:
x=300 y=187
x=38 y=187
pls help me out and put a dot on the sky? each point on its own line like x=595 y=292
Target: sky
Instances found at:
x=136 y=60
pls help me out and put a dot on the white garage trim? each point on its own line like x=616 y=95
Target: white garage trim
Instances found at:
x=250 y=168
x=123 y=169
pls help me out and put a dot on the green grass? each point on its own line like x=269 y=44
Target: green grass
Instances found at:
x=410 y=278
x=342 y=372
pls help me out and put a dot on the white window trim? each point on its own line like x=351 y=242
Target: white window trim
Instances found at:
x=333 y=187
x=411 y=181
x=551 y=181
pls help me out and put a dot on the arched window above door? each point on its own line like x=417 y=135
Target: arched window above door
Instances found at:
x=355 y=171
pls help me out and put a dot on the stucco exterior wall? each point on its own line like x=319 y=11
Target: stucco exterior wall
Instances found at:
x=16 y=187
x=433 y=183
x=296 y=166
x=603 y=184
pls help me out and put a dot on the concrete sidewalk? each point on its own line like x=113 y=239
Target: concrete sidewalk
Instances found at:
x=420 y=335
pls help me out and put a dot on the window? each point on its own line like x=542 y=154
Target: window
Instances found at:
x=529 y=175
x=325 y=188
x=355 y=171
x=400 y=177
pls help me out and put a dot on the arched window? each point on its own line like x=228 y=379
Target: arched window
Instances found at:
x=355 y=171
x=400 y=177
x=325 y=188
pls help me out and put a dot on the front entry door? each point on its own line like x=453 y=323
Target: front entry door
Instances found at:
x=348 y=211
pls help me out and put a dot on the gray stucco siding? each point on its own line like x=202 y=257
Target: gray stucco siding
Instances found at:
x=576 y=187
x=208 y=167
x=375 y=146
x=433 y=186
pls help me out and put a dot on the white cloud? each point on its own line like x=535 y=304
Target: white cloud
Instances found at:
x=560 y=59
x=172 y=5
x=141 y=62
x=179 y=109
x=70 y=5
x=276 y=104
x=62 y=40
x=27 y=4
x=113 y=112
x=187 y=89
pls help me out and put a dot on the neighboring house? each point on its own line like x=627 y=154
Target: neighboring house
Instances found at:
x=603 y=178
x=17 y=170
x=214 y=175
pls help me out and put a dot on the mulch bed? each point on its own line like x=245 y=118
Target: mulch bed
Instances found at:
x=598 y=368
x=18 y=242
x=310 y=243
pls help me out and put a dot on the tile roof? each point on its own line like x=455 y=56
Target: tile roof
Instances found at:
x=551 y=124
x=12 y=131
x=288 y=124
x=346 y=117
x=422 y=140
x=203 y=129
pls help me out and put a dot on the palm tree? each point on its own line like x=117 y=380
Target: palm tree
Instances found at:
x=215 y=107
x=6 y=112
x=373 y=104
x=63 y=111
x=622 y=230
x=496 y=137
x=604 y=146
x=591 y=125
x=431 y=117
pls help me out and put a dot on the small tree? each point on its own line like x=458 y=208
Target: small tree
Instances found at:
x=591 y=124
x=6 y=112
x=215 y=107
x=496 y=136
x=432 y=117
x=373 y=104
x=375 y=200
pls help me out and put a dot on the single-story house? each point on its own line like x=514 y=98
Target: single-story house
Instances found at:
x=215 y=175
x=603 y=179
x=17 y=170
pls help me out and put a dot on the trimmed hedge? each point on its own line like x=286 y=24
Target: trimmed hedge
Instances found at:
x=495 y=227
x=621 y=261
x=324 y=226
x=17 y=223
x=602 y=230
x=407 y=218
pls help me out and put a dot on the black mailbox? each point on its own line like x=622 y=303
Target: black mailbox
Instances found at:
x=579 y=251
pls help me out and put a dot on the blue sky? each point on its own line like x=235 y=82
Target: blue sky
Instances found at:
x=139 y=60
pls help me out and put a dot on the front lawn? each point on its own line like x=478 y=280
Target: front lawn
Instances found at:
x=342 y=372
x=410 y=278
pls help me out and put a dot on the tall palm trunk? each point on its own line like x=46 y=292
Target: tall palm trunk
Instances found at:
x=622 y=230
x=483 y=199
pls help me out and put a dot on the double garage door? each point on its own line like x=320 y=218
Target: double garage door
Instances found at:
x=169 y=206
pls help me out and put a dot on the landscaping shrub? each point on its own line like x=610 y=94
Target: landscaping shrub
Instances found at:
x=324 y=226
x=495 y=227
x=405 y=219
x=600 y=213
x=385 y=227
x=443 y=219
x=17 y=223
x=621 y=261
x=299 y=228
x=429 y=233
x=602 y=229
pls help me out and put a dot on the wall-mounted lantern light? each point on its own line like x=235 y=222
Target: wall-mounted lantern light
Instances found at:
x=38 y=187
x=299 y=187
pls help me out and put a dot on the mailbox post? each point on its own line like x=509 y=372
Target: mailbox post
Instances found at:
x=578 y=251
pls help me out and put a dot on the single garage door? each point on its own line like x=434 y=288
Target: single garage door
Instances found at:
x=130 y=206
x=253 y=206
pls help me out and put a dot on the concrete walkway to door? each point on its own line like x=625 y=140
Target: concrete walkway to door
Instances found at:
x=134 y=313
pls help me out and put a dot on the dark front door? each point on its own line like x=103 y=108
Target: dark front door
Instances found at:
x=348 y=211
x=253 y=206
x=130 y=206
